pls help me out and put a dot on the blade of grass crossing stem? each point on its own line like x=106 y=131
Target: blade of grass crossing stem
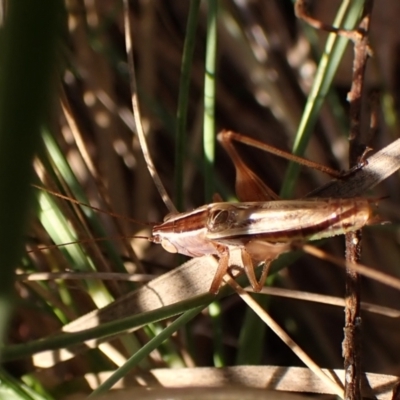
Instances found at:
x=39 y=293
x=58 y=160
x=167 y=349
x=60 y=231
x=107 y=329
x=58 y=225
x=347 y=17
x=28 y=54
x=147 y=349
x=183 y=101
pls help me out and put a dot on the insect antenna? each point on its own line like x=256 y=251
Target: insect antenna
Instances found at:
x=97 y=209
x=81 y=241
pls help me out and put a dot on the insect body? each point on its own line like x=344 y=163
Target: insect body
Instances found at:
x=261 y=226
x=261 y=230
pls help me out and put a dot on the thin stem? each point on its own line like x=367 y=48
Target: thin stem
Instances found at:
x=209 y=99
x=352 y=340
x=136 y=113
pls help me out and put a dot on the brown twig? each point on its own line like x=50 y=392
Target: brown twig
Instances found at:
x=351 y=346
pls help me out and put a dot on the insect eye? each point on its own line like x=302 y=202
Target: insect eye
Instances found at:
x=168 y=246
x=218 y=220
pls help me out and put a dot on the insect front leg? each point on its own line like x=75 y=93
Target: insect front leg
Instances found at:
x=222 y=269
x=248 y=266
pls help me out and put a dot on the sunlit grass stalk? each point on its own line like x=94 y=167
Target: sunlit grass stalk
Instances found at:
x=60 y=168
x=147 y=349
x=106 y=329
x=209 y=148
x=347 y=17
x=210 y=98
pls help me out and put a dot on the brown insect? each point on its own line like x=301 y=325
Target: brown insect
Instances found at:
x=260 y=230
x=261 y=226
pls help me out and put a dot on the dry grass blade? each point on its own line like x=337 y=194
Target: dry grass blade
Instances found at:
x=378 y=168
x=264 y=316
x=328 y=300
x=289 y=379
x=359 y=268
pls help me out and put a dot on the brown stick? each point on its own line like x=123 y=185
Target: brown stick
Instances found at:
x=351 y=345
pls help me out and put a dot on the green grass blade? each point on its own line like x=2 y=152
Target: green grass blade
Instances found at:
x=59 y=162
x=347 y=17
x=183 y=101
x=147 y=349
x=209 y=99
x=106 y=329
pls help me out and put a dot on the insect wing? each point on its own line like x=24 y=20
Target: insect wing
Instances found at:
x=287 y=220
